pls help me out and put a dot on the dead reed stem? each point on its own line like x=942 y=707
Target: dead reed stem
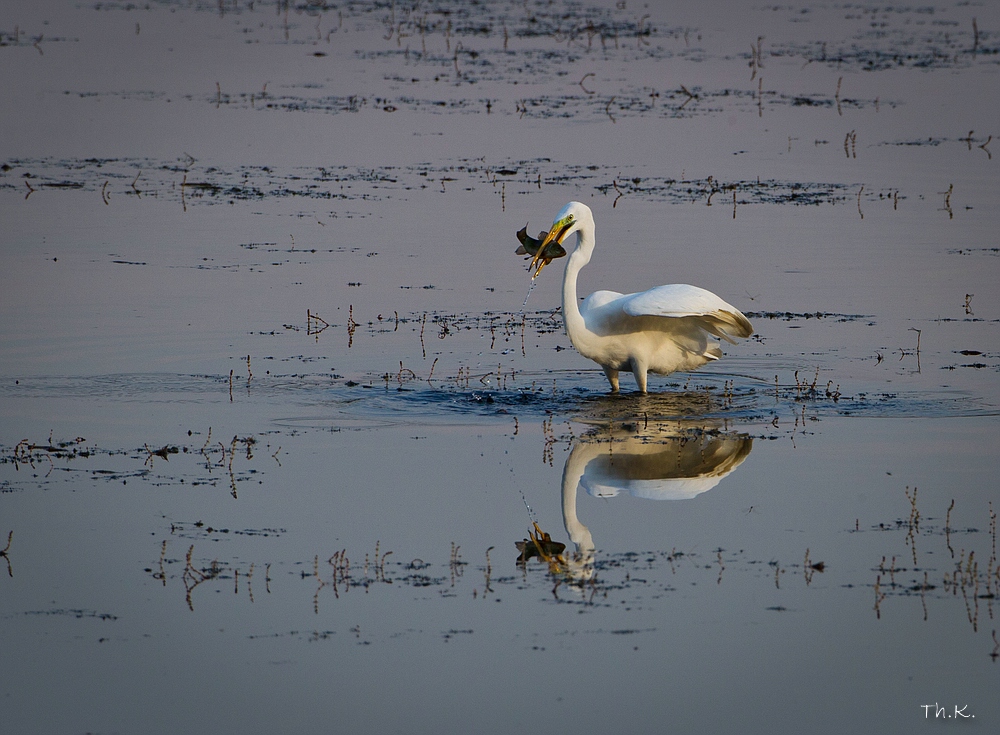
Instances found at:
x=6 y=558
x=423 y=350
x=947 y=528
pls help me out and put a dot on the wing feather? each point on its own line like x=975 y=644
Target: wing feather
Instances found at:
x=677 y=300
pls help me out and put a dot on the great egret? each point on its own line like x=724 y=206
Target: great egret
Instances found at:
x=661 y=330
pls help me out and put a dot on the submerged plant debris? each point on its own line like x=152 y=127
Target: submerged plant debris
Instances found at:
x=183 y=181
x=920 y=563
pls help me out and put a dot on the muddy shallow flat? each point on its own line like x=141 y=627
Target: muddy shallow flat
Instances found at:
x=276 y=427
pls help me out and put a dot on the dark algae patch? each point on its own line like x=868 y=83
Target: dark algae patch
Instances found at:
x=190 y=184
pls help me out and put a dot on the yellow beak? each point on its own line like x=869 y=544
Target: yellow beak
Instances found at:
x=557 y=234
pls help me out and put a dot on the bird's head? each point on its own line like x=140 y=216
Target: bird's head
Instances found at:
x=570 y=219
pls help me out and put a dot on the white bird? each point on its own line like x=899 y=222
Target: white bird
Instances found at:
x=662 y=330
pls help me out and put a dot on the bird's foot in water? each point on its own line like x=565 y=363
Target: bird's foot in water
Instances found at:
x=612 y=376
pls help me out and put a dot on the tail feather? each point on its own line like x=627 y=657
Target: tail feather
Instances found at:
x=727 y=325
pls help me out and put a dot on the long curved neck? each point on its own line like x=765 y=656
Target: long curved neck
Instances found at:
x=580 y=256
x=581 y=564
x=573 y=471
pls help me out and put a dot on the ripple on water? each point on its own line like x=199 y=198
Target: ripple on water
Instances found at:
x=577 y=395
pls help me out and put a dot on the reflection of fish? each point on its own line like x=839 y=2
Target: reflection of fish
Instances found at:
x=540 y=544
x=529 y=246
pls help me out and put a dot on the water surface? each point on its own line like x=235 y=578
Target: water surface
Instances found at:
x=274 y=419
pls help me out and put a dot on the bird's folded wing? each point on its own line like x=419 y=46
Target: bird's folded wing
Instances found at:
x=679 y=300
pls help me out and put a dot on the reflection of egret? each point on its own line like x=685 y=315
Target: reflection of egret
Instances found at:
x=662 y=330
x=676 y=466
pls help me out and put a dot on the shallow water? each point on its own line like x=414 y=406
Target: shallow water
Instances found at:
x=274 y=418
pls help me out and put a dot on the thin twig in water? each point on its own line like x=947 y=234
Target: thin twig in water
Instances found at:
x=947 y=528
x=756 y=58
x=640 y=32
x=690 y=96
x=423 y=350
x=458 y=47
x=10 y=569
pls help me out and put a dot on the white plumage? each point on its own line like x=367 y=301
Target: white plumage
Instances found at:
x=662 y=330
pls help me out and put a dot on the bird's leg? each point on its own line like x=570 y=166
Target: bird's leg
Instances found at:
x=612 y=378
x=639 y=371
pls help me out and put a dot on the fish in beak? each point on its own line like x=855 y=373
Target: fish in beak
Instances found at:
x=532 y=247
x=547 y=247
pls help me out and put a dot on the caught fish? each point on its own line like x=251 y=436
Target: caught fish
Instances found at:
x=529 y=246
